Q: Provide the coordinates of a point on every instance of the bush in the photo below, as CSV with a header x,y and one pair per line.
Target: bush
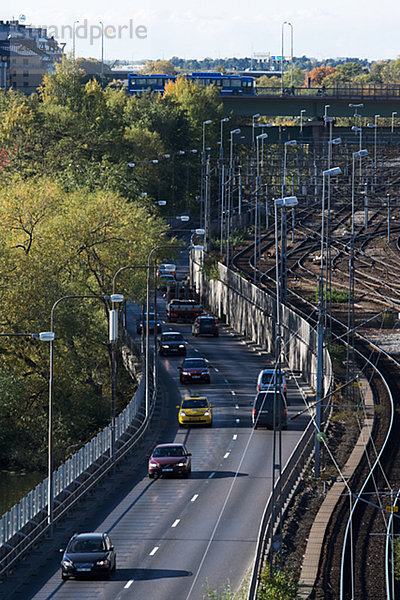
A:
x,y
277,586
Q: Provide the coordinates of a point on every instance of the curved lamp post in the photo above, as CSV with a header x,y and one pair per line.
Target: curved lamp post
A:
x,y
50,336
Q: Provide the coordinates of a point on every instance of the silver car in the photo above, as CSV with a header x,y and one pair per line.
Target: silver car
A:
x,y
266,381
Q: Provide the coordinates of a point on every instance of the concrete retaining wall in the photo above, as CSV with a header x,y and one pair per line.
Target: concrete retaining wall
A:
x,y
251,312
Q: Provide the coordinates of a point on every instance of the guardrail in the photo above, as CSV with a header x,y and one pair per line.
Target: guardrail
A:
x,y
365,92
26,522
289,479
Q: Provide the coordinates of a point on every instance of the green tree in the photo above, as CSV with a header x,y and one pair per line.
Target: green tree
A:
x,y
159,67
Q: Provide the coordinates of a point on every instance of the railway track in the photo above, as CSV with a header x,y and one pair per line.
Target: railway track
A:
x,y
356,562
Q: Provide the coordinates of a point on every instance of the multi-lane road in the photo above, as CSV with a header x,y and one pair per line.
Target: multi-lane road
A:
x,y
172,536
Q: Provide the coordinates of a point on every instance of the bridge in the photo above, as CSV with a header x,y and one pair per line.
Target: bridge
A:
x,y
289,102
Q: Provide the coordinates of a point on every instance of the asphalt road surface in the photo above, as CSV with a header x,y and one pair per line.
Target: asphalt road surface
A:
x,y
173,536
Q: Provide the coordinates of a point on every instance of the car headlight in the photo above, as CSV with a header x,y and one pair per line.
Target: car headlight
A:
x,y
181,345
204,372
185,373
182,463
165,345
67,563
103,563
207,413
182,413
154,464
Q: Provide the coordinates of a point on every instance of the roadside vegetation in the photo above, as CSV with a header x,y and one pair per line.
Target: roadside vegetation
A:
x,y
73,212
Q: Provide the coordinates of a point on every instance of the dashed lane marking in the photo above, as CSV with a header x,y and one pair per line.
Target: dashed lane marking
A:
x,y
152,553
175,523
128,585
194,498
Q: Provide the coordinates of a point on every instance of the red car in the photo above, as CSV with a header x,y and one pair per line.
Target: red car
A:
x,y
170,459
194,370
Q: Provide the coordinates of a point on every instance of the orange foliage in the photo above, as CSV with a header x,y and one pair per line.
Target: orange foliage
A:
x,y
318,74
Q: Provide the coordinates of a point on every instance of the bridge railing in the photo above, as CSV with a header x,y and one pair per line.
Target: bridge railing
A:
x,y
26,522
345,92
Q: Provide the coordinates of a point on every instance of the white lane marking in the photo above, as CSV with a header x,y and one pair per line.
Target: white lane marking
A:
x,y
227,454
196,350
226,381
175,523
237,420
216,370
128,585
152,553
194,498
235,436
211,475
233,393
237,406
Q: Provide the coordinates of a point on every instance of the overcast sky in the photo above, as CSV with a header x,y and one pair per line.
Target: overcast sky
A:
x,y
220,28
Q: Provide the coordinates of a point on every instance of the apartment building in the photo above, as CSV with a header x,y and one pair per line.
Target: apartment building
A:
x,y
26,54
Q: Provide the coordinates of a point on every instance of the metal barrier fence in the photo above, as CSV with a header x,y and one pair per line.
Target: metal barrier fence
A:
x,y
346,92
27,520
289,479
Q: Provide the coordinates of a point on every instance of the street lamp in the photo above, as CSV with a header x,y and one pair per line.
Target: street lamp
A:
x,y
256,116
350,313
321,305
283,204
291,53
257,226
230,193
73,39
393,115
302,111
360,105
102,53
289,143
221,151
50,336
203,162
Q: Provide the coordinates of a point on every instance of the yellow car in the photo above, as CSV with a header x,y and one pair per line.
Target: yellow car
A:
x,y
195,410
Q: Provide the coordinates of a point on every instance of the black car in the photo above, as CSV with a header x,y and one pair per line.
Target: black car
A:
x,y
263,410
205,325
171,342
153,322
88,554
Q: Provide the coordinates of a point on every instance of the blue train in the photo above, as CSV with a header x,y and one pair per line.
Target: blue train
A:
x,y
228,85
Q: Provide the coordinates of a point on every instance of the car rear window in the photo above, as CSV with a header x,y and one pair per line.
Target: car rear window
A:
x,y
173,337
267,378
265,401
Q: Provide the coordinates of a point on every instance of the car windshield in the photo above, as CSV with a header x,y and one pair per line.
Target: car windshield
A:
x,y
194,364
195,403
87,545
207,320
173,337
169,451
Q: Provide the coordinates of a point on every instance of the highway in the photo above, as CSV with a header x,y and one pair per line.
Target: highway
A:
x,y
173,535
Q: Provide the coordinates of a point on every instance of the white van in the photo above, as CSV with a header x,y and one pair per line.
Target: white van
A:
x,y
266,381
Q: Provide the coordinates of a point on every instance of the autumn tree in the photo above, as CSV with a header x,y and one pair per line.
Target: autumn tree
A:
x,y
317,75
